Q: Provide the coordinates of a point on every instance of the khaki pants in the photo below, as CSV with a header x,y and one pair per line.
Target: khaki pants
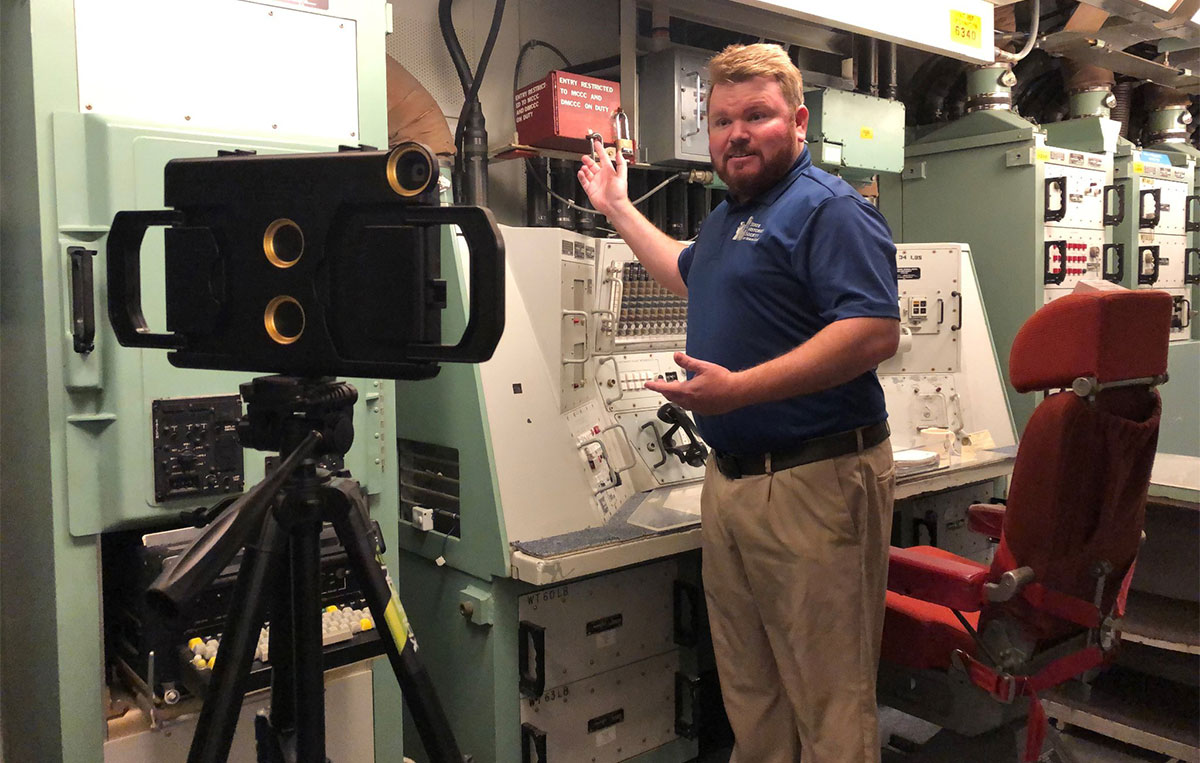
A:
x,y
795,569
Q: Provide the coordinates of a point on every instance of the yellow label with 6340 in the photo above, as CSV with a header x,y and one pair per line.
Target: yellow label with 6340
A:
x,y
966,29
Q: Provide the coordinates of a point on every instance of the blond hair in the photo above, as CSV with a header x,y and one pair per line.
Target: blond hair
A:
x,y
738,63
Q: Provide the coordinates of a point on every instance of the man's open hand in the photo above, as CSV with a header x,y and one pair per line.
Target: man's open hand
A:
x,y
605,184
712,389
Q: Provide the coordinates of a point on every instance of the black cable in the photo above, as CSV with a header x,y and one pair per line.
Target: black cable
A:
x,y
481,67
441,557
528,46
446,21
470,83
573,205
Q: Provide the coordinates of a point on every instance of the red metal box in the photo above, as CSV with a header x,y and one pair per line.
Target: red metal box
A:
x,y
561,109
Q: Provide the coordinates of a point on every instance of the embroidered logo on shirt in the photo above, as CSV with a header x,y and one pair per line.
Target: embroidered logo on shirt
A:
x,y
748,230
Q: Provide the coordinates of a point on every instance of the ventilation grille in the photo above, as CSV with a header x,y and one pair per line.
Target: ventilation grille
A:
x,y
429,478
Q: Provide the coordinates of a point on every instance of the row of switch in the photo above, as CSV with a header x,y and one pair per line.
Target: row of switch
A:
x,y
668,331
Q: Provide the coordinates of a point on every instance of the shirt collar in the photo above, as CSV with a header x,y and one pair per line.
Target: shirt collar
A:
x,y
803,162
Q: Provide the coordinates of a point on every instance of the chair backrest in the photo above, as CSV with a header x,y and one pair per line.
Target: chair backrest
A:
x,y
1077,497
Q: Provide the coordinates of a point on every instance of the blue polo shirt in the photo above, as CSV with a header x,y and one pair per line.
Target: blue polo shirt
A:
x,y
763,277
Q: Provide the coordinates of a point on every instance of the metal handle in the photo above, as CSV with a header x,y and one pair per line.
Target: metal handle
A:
x,y
1191,221
1151,278
1190,274
1149,221
658,440
687,706
616,378
582,314
687,135
600,326
1186,313
615,473
1050,278
1118,275
1054,215
531,644
1116,218
83,304
533,744
958,295
687,614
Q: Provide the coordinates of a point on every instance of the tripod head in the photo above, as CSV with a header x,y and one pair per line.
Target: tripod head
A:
x,y
283,410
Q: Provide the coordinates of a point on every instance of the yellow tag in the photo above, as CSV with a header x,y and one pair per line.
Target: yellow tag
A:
x,y
866,133
1138,168
1042,154
966,29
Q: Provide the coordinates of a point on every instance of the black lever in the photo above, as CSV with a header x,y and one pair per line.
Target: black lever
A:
x,y
693,453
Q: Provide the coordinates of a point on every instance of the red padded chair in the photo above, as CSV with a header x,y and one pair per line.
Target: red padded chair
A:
x,y
1048,609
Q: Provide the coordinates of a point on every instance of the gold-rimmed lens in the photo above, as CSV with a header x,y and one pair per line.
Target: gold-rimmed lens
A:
x,y
410,169
283,243
284,319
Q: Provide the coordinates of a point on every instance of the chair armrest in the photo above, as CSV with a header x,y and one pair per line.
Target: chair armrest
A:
x,y
986,518
946,580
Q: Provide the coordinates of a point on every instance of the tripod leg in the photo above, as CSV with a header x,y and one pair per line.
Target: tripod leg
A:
x,y
223,702
279,647
349,517
308,656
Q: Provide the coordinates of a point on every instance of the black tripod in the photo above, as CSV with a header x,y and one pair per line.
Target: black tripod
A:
x,y
278,522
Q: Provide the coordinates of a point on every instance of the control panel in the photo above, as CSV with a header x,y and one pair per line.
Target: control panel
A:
x,y
647,325
1161,257
1070,255
196,448
1078,201
646,312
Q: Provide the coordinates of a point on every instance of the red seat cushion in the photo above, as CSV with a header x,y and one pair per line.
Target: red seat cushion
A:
x,y
920,635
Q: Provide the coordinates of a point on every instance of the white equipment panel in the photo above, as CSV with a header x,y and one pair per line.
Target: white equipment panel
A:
x,y
960,400
607,718
593,626
222,65
565,392
930,292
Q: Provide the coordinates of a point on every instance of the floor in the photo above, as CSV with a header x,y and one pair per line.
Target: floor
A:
x,y
1082,745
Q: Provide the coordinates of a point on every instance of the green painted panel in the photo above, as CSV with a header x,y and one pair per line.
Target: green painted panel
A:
x,y
1179,431
977,196
450,410
474,667
80,462
869,131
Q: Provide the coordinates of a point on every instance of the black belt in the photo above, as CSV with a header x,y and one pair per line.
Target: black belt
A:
x,y
817,449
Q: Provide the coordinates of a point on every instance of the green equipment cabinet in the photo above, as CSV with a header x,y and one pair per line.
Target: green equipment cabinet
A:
x,y
97,98
1181,427
1037,216
1155,240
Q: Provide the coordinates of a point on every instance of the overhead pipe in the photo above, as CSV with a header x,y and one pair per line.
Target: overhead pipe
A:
x,y
887,67
866,65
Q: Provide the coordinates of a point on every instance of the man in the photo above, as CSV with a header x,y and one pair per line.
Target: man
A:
x,y
791,305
